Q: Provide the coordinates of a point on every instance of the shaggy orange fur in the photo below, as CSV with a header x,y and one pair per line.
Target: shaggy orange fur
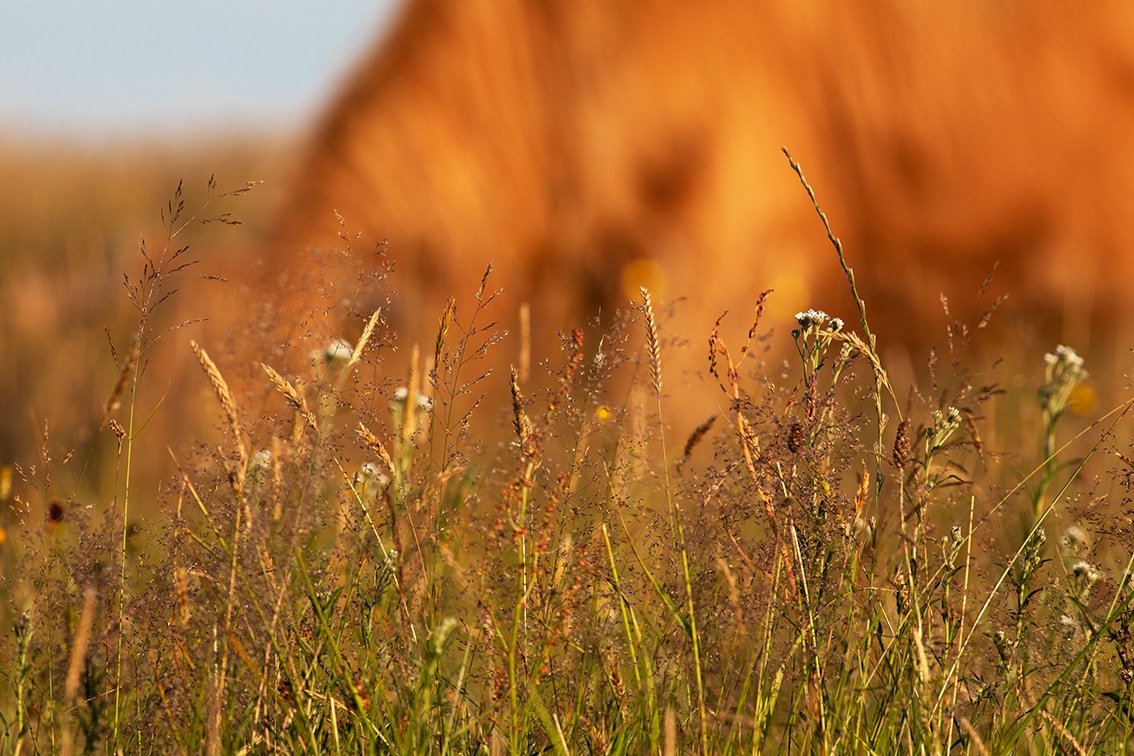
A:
x,y
580,145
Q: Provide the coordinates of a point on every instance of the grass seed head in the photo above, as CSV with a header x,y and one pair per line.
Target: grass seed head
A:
x,y
522,424
902,446
653,341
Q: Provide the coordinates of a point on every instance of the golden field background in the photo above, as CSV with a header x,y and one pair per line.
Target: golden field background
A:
x,y
411,547
72,219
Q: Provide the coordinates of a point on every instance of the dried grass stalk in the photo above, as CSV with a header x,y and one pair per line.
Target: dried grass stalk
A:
x,y
520,420
652,339
443,329
224,396
367,332
375,444
293,398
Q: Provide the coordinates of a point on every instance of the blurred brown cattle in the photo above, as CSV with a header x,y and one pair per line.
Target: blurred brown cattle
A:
x,y
568,141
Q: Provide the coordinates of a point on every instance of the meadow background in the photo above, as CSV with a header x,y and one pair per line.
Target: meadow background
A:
x,y
355,560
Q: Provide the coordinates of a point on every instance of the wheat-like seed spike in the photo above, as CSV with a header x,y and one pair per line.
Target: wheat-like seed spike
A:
x,y
356,355
654,342
871,354
224,396
376,446
443,330
294,399
520,420
978,443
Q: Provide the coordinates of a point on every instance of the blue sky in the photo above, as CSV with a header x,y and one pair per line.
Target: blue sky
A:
x,y
113,68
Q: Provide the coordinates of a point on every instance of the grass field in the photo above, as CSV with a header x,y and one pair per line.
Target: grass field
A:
x,y
398,562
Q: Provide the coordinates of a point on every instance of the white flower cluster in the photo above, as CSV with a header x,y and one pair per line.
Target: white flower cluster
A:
x,y
369,481
944,423
813,338
1063,356
1084,575
1076,539
261,460
339,349
1063,373
423,402
816,319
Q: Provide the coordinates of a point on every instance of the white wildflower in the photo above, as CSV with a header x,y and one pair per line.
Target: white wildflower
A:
x,y
339,349
813,319
261,460
1085,574
1076,539
421,402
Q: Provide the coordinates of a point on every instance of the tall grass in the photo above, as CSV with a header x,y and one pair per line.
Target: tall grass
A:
x,y
375,567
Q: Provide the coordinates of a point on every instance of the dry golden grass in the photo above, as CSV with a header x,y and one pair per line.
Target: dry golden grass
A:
x,y
338,556
72,218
